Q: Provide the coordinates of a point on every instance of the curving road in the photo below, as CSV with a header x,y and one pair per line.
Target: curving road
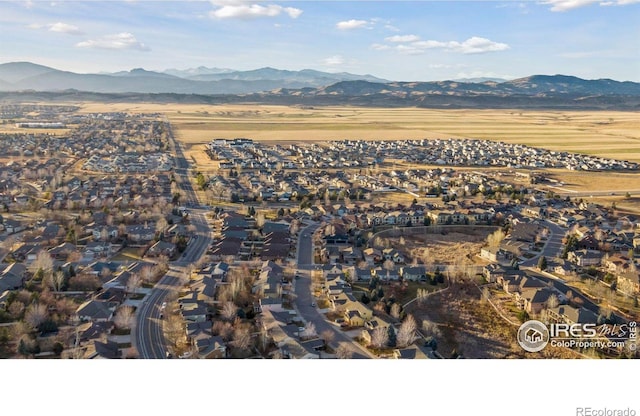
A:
x,y
304,297
553,246
147,334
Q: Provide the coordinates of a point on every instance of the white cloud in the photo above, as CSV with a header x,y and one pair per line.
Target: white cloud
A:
x,y
380,47
334,60
402,38
234,9
65,28
58,27
473,45
352,24
122,40
478,45
565,5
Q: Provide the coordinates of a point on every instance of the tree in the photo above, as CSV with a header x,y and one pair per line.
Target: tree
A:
x,y
42,264
327,336
174,329
344,352
229,310
124,317
134,282
36,314
309,331
552,301
542,263
396,311
241,337
430,329
379,337
391,336
407,332
494,239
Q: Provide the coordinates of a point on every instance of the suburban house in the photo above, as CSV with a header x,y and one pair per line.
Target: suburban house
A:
x,y
94,310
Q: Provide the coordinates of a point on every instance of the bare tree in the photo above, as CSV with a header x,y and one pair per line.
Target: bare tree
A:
x,y
16,309
379,337
344,351
407,332
486,294
327,336
241,337
388,265
553,301
260,220
36,314
124,317
55,281
395,311
229,311
224,329
430,329
494,239
309,331
42,262
294,227
134,282
174,329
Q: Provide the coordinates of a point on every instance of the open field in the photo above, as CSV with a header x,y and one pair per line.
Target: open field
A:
x,y
471,327
437,248
604,133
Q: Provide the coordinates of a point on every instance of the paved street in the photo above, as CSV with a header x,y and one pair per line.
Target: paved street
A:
x,y
147,335
553,246
305,299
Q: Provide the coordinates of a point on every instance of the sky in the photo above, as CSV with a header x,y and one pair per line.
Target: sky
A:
x,y
394,40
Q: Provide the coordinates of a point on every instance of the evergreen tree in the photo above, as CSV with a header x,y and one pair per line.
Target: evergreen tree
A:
x,y
392,337
542,263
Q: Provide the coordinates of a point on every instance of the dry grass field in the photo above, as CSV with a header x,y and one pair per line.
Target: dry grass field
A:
x,y
604,133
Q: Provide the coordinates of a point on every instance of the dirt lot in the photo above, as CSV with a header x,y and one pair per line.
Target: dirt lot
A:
x,y
471,327
438,248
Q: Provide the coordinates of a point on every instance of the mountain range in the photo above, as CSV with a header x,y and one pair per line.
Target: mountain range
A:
x,y
20,76
311,87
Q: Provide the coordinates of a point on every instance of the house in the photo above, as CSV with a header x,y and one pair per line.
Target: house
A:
x,y
413,273
534,300
414,352
12,277
494,254
629,282
492,272
393,255
570,315
211,347
162,248
96,311
104,350
585,258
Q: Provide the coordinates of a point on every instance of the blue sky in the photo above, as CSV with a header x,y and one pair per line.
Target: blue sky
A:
x,y
396,40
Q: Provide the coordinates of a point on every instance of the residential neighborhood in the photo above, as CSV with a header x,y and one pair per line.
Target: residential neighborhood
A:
x,y
306,251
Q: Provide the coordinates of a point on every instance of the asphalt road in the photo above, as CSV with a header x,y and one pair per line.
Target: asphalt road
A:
x,y
305,298
553,246
147,334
